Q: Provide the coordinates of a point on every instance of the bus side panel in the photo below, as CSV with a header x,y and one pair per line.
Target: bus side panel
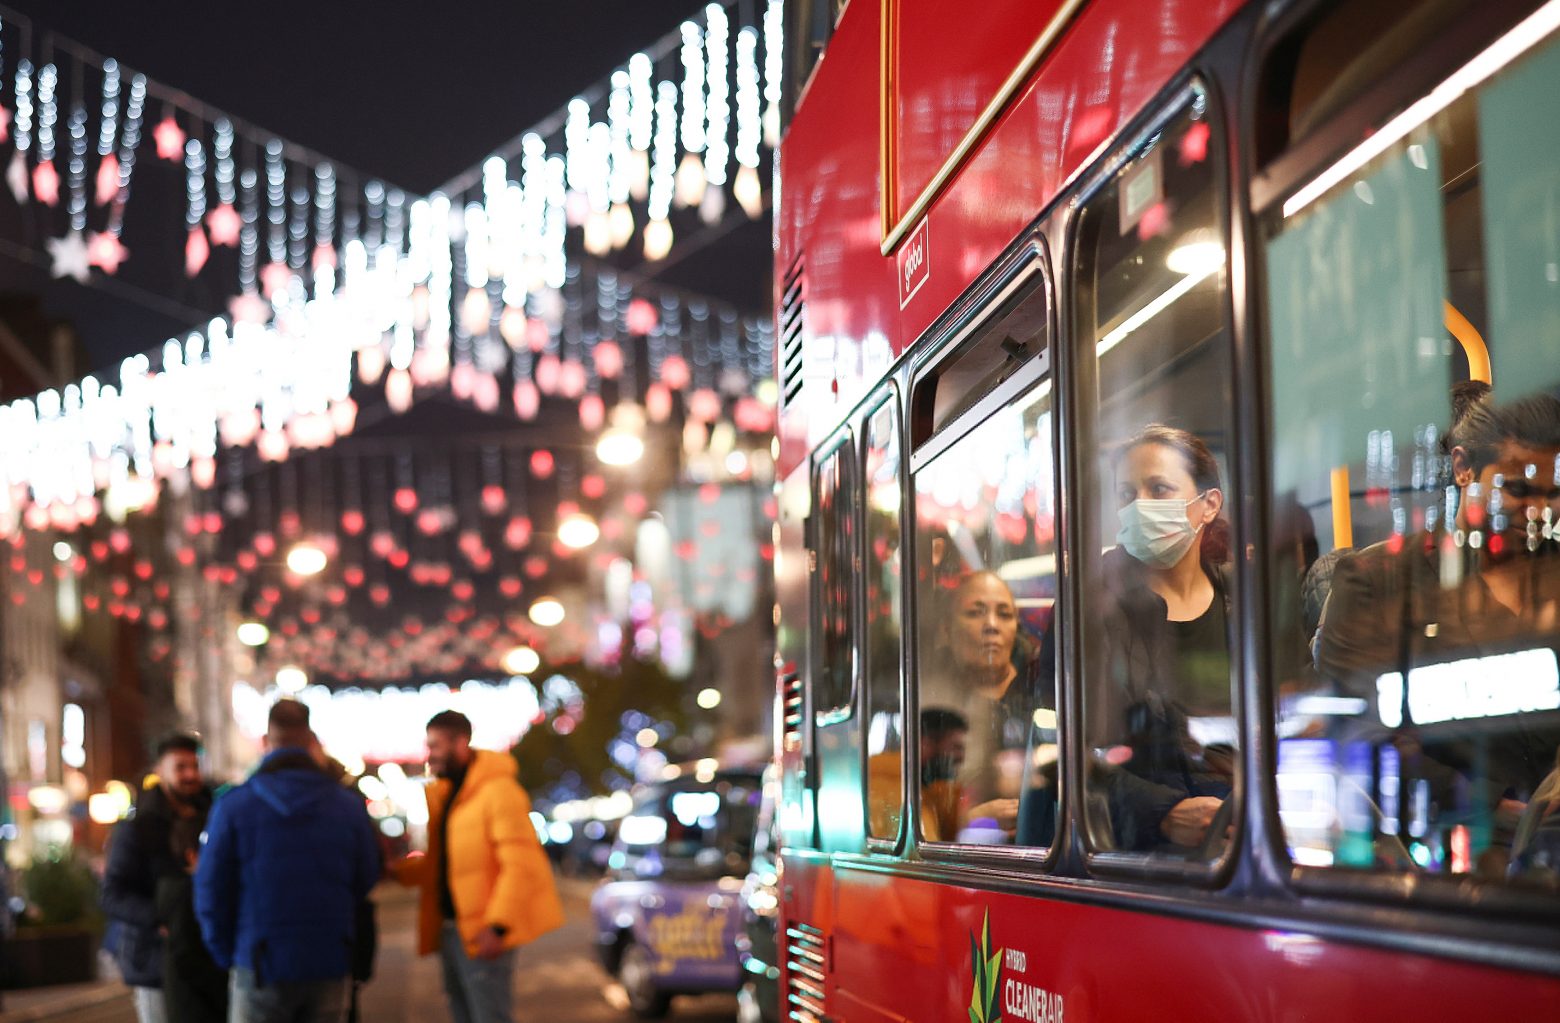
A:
x,y
947,65
791,603
827,222
1112,60
807,928
907,948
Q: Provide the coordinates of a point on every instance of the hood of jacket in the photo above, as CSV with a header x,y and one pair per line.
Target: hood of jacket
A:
x,y
291,783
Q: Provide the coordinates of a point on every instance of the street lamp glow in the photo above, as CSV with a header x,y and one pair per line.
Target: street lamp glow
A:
x,y
253,633
709,699
522,660
578,531
306,559
547,612
620,448
291,679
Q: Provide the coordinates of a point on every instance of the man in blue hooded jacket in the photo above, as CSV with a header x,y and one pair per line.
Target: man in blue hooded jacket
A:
x,y
289,856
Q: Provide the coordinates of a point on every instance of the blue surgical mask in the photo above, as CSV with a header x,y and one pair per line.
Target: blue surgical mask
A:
x,y
1156,532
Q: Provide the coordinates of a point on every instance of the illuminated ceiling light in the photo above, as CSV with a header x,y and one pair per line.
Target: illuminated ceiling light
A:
x,y
620,223
691,181
598,233
578,531
522,660
749,192
291,679
253,634
1198,254
306,559
658,240
1157,305
546,612
1527,33
619,447
647,738
709,699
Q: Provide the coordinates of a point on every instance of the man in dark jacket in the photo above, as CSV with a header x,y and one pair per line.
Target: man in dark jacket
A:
x,y
141,857
289,856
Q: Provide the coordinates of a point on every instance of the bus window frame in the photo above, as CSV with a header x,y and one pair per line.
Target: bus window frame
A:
x,y
1021,275
824,717
1395,89
886,396
1167,107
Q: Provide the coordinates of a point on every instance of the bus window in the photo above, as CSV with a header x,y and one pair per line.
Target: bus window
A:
x,y
1413,319
986,594
834,509
1160,733
885,724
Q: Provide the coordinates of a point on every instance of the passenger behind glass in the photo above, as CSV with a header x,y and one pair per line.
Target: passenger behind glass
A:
x,y
1487,585
944,738
1535,852
1394,604
1166,614
985,671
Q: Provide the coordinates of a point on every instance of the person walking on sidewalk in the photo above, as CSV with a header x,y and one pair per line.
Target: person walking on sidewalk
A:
x,y
289,856
141,858
487,887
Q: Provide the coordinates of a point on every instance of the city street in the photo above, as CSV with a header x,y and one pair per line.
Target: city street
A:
x,y
558,978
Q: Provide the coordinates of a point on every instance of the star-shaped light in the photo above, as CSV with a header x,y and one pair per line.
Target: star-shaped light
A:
x,y
224,223
170,139
105,251
196,251
69,255
274,278
16,177
107,180
46,183
250,308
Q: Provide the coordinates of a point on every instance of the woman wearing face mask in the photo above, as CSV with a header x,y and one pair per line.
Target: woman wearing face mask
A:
x,y
1166,619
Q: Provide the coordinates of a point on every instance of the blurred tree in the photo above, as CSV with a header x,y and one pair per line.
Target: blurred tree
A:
x,y
568,755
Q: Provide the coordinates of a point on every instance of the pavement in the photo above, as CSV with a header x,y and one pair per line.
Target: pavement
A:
x,y
557,979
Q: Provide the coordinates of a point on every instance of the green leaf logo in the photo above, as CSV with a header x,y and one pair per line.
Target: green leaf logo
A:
x,y
986,970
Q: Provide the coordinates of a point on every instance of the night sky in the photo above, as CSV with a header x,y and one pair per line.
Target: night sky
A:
x,y
413,94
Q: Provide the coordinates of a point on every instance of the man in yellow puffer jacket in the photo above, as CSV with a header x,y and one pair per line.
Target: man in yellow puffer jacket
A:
x,y
487,887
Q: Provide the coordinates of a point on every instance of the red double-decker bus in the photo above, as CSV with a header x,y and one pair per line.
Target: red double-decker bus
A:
x,y
1169,545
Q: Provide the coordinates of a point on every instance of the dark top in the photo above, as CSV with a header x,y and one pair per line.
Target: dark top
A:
x,y
1156,672
1202,660
142,854
446,897
290,856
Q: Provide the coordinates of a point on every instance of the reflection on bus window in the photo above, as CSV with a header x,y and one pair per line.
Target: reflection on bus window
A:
x,y
885,727
986,578
1413,318
836,526
1157,684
